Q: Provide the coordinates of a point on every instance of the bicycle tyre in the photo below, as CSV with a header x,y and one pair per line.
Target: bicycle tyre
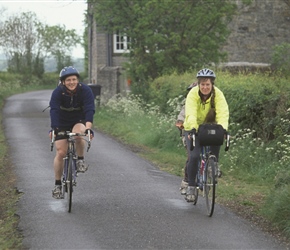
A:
x,y
210,185
69,181
64,178
196,192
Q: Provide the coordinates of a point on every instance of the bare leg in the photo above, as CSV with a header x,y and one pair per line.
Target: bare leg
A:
x,y
80,144
80,148
61,148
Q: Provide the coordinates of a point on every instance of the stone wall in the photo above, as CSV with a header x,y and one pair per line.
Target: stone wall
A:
x,y
113,81
256,29
119,60
108,78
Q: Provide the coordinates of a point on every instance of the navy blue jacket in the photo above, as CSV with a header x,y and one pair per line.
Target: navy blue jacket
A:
x,y
67,109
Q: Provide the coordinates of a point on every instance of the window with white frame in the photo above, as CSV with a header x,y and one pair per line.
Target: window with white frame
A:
x,y
121,43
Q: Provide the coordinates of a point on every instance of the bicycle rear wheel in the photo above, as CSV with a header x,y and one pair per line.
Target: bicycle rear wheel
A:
x,y
210,185
69,181
196,191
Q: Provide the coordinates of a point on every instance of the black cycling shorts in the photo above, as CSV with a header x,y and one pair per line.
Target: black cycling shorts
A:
x,y
61,136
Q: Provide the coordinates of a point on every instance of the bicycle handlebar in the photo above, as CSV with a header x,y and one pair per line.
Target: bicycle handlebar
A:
x,y
192,140
52,140
71,134
227,139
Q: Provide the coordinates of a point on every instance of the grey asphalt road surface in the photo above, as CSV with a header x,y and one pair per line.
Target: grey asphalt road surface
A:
x,y
121,202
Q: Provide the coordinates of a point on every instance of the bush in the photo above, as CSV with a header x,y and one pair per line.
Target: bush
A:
x,y
256,101
169,87
276,208
281,58
142,119
50,79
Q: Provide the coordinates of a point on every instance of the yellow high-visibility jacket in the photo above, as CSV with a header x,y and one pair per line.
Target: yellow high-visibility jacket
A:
x,y
196,110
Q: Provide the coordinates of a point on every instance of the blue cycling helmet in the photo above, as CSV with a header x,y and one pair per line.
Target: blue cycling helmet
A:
x,y
206,73
68,71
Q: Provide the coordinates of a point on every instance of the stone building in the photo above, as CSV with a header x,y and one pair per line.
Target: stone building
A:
x,y
254,31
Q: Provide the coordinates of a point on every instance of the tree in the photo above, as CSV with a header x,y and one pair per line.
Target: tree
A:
x,y
27,42
58,42
168,35
19,39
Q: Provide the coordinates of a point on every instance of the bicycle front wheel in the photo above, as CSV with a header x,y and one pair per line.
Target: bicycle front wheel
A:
x,y
196,190
69,182
210,185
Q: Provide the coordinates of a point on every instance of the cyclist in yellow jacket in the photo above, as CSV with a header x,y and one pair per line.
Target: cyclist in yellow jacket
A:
x,y
204,104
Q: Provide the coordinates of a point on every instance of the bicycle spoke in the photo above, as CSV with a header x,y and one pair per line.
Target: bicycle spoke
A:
x,y
196,192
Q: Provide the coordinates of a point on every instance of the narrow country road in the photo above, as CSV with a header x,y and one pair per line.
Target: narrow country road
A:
x,y
121,202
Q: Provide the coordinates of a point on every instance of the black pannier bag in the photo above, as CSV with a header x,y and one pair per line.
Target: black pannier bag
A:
x,y
211,135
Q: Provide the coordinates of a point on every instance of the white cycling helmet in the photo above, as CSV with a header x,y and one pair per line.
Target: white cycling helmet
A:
x,y
206,73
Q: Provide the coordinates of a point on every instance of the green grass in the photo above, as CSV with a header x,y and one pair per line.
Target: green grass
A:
x,y
9,237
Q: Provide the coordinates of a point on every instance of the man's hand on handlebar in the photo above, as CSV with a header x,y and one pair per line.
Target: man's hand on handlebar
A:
x,y
90,132
52,133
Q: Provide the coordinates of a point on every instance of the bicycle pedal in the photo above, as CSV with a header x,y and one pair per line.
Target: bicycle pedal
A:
x,y
60,196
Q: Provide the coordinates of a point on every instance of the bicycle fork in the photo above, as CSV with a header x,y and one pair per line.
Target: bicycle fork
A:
x,y
201,176
65,171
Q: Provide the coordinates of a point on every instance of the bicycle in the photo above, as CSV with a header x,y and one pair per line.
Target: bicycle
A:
x,y
208,169
69,170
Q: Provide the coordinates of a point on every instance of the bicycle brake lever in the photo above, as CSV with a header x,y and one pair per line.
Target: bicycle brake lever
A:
x,y
227,142
52,140
192,142
89,142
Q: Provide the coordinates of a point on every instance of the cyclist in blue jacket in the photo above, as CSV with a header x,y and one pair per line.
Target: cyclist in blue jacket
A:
x,y
72,108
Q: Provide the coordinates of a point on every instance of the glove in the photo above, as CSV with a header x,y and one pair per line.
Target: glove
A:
x,y
51,135
192,132
91,132
179,124
56,130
